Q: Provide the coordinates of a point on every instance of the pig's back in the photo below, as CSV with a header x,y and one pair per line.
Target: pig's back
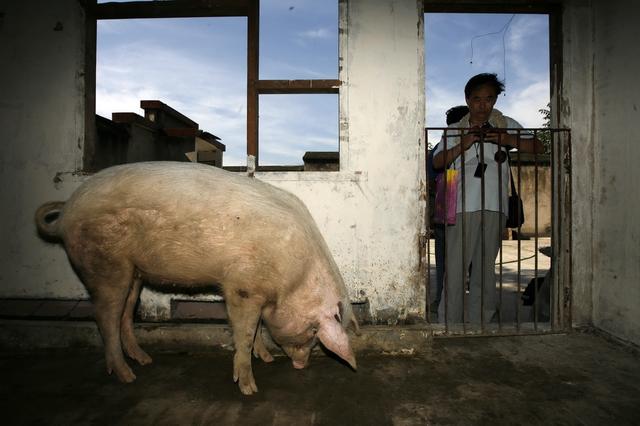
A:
x,y
191,223
182,187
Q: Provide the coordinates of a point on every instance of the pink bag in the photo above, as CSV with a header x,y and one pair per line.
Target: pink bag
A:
x,y
446,206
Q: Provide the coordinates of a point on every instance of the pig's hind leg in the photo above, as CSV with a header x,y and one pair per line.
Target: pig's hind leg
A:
x,y
244,315
109,289
127,337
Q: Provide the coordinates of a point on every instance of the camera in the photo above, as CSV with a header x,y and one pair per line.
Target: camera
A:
x,y
500,156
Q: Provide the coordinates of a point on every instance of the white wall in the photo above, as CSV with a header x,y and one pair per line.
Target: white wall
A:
x,y
577,99
370,212
616,248
41,135
600,96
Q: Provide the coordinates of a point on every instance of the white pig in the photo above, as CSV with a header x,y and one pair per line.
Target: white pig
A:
x,y
192,224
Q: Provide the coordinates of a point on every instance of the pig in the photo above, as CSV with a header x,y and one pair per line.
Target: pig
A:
x,y
189,224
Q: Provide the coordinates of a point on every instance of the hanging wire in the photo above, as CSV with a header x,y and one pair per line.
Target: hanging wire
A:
x,y
502,31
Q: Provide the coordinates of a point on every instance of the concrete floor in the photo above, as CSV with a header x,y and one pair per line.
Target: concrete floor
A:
x,y
570,379
515,276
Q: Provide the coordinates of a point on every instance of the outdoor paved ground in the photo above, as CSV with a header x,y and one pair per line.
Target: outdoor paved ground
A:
x,y
570,379
530,266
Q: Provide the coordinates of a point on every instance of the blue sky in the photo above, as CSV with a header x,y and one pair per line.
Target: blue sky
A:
x,y
198,66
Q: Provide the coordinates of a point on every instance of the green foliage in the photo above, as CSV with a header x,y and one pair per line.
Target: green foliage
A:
x,y
545,136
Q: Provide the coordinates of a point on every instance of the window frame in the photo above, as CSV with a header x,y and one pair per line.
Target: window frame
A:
x,y
193,9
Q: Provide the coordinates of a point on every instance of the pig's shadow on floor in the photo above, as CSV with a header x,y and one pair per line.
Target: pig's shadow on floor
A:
x,y
331,355
211,289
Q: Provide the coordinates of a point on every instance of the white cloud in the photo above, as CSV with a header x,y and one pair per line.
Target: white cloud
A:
x,y
314,37
322,33
523,28
439,100
283,68
523,105
292,125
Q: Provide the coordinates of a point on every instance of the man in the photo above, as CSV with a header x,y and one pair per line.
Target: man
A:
x,y
483,145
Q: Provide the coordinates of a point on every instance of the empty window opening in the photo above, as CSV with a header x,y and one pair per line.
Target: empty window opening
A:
x,y
298,87
298,39
299,130
206,67
194,69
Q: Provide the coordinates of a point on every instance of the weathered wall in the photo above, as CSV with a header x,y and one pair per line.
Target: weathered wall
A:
x,y
577,114
600,93
370,211
616,248
41,137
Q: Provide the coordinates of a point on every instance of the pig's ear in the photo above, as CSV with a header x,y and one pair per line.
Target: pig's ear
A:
x,y
334,338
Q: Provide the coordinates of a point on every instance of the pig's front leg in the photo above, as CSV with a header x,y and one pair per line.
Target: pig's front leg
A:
x,y
244,315
259,349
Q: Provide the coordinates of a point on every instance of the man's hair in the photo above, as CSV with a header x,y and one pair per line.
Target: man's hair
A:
x,y
481,80
456,113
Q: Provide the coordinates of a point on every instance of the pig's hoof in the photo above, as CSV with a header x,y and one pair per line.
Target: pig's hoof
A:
x,y
124,374
248,388
144,359
139,355
245,381
263,354
266,357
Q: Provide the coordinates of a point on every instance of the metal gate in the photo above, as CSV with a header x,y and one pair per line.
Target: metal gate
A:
x,y
531,292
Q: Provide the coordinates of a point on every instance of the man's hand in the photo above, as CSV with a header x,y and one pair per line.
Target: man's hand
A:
x,y
524,143
447,156
470,137
500,138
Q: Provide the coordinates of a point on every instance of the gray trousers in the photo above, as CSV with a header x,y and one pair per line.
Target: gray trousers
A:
x,y
456,267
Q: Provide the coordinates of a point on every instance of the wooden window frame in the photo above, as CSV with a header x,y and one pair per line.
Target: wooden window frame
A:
x,y
194,9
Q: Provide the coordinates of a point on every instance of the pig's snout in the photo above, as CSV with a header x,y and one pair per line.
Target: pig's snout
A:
x,y
299,365
299,355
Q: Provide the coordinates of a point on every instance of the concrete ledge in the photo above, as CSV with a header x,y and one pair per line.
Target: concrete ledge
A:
x,y
396,340
24,335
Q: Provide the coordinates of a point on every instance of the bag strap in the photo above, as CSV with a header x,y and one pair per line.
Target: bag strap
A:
x,y
513,186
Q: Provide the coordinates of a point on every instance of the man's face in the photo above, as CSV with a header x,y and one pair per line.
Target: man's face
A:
x,y
481,102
